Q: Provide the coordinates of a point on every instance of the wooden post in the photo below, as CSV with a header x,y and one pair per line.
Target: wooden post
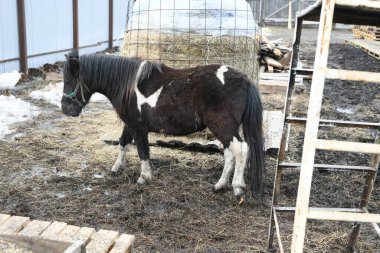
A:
x,y
311,131
110,24
75,25
281,152
22,36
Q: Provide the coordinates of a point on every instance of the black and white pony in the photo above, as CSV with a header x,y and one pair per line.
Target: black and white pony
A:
x,y
152,97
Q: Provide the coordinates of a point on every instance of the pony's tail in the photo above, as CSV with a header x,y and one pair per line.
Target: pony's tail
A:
x,y
253,135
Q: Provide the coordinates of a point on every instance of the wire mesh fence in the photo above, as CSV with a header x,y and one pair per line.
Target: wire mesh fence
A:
x,y
187,33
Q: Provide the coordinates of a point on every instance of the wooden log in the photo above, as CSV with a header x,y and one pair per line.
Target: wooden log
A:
x,y
272,62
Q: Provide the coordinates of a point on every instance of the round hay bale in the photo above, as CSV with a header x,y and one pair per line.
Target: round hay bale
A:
x,y
190,33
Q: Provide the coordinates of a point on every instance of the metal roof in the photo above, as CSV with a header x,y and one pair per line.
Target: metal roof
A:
x,y
363,12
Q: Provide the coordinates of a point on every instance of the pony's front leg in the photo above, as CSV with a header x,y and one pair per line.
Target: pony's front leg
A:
x,y
124,144
142,144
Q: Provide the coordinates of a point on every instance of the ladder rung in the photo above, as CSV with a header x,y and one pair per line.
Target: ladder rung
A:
x,y
325,214
346,146
340,123
292,209
300,71
329,167
352,75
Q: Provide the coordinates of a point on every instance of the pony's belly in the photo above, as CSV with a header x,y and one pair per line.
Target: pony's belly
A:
x,y
175,124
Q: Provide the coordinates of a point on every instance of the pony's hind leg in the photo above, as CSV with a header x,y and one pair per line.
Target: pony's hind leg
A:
x,y
124,143
240,150
229,159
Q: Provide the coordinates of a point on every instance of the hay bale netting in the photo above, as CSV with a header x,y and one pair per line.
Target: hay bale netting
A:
x,y
196,32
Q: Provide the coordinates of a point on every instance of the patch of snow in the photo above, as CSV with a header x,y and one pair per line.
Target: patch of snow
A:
x,y
9,80
60,195
212,17
97,97
88,189
52,93
345,110
98,176
14,110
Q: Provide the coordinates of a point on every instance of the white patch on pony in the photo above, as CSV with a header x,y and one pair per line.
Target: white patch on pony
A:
x,y
146,172
120,162
228,166
151,100
141,99
240,151
220,73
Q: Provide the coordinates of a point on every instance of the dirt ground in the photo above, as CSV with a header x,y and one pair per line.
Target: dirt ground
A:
x,y
58,170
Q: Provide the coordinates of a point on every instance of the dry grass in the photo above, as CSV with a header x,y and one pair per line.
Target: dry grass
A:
x,y
189,50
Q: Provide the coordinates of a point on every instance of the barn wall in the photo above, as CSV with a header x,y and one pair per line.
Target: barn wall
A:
x,y
49,29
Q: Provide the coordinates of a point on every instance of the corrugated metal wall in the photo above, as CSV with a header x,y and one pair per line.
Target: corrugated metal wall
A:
x,y
49,28
272,8
8,36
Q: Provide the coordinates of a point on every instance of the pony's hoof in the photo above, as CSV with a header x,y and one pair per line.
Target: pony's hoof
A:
x,y
241,199
114,173
142,181
239,193
218,187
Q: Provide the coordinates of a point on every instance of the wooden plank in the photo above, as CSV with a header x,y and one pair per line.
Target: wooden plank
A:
x,y
68,233
352,75
369,46
346,146
13,224
123,244
84,234
311,130
53,230
34,228
4,217
272,87
329,167
320,214
101,241
278,231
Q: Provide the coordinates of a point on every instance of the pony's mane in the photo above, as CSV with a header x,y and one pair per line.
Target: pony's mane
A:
x,y
115,75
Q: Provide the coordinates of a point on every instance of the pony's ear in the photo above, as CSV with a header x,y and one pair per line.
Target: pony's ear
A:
x,y
72,56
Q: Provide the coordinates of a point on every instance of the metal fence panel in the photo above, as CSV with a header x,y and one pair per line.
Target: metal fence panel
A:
x,y
8,36
93,25
49,26
119,20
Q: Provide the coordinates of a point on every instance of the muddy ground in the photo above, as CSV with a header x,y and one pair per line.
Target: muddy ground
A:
x,y
58,170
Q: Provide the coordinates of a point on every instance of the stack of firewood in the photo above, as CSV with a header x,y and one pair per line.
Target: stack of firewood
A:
x,y
274,57
366,32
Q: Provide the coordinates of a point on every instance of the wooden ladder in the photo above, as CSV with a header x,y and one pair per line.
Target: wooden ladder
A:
x,y
311,143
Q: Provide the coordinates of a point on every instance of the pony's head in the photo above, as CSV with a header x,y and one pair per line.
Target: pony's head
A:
x,y
75,94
